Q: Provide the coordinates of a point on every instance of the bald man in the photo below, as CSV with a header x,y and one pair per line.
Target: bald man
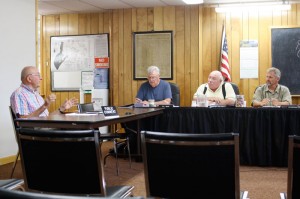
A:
x,y
213,90
26,101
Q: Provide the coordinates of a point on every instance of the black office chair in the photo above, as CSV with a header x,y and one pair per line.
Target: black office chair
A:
x,y
117,138
293,182
65,162
179,165
255,91
15,126
235,88
8,194
175,94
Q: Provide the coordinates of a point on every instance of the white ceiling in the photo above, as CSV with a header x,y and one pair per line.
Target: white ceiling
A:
x,y
47,7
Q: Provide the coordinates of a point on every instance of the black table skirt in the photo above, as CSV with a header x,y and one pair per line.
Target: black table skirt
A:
x,y
263,131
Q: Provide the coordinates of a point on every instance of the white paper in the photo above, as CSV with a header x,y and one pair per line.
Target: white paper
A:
x,y
61,79
81,114
249,59
87,80
110,117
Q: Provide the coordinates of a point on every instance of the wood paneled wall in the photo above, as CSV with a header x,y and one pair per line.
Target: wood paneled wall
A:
x,y
197,40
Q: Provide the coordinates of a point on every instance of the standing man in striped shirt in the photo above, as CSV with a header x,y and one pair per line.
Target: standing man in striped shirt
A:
x,y
26,101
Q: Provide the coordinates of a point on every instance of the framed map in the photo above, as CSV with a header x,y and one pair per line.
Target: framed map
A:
x,y
70,55
153,48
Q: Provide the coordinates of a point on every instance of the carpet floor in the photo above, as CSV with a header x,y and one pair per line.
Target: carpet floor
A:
x,y
260,182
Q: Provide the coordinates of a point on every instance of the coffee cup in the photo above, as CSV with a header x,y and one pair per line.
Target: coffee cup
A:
x,y
194,103
151,103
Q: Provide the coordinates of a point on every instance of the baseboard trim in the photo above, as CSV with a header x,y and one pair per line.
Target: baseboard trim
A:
x,y
7,160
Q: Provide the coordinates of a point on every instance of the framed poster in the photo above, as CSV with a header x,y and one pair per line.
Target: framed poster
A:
x,y
153,48
70,55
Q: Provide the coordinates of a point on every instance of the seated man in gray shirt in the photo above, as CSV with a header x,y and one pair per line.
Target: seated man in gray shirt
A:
x,y
272,93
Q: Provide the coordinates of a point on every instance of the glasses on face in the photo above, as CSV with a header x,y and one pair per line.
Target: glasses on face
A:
x,y
35,74
153,77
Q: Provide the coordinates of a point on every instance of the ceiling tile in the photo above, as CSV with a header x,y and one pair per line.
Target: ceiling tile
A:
x,y
74,5
174,2
46,7
107,4
144,3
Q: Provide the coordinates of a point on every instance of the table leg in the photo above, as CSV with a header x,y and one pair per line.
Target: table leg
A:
x,y
138,158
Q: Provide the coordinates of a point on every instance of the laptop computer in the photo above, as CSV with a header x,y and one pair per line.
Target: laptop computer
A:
x,y
88,108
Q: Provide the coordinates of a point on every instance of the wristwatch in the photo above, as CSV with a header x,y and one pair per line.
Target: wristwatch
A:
x,y
62,112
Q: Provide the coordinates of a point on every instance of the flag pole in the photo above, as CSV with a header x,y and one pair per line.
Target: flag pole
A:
x,y
222,43
224,62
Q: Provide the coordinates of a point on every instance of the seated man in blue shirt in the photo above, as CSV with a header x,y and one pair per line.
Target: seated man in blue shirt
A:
x,y
154,88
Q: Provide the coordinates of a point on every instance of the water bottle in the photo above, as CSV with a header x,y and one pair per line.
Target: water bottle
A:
x,y
202,100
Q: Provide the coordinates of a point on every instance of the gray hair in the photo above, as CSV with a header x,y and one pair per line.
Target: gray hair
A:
x,y
152,69
275,70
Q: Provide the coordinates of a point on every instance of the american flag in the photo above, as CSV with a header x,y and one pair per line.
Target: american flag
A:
x,y
224,65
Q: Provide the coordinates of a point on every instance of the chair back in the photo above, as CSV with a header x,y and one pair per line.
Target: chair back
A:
x,y
179,165
8,194
235,88
293,184
175,94
82,108
61,161
12,184
13,120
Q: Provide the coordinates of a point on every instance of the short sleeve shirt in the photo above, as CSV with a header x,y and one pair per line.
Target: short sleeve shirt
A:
x,y
282,93
24,101
230,94
161,92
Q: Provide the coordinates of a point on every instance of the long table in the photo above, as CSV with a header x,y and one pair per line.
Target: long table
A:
x,y
263,131
93,121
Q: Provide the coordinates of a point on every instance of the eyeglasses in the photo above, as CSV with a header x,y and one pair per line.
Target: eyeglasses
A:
x,y
152,77
35,74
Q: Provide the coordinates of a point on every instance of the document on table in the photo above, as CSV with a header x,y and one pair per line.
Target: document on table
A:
x,y
81,114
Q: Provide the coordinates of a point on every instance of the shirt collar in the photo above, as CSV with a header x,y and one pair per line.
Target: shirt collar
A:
x,y
28,88
275,91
